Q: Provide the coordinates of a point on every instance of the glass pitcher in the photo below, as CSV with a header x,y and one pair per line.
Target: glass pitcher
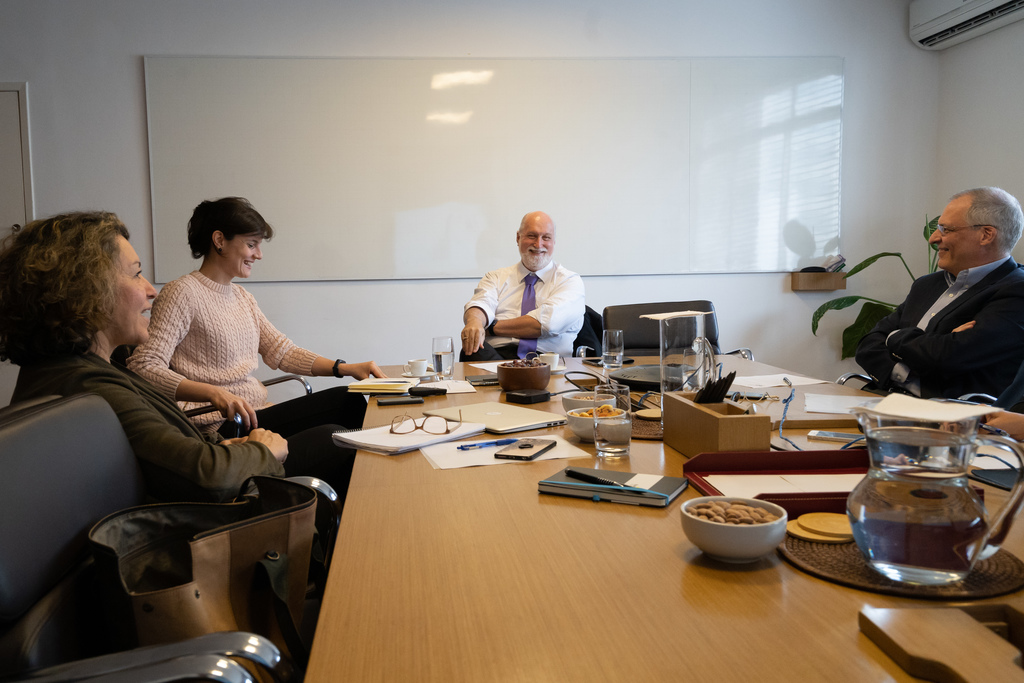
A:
x,y
687,359
915,517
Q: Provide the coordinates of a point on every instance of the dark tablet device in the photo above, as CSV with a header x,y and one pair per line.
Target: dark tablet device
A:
x,y
398,400
1002,478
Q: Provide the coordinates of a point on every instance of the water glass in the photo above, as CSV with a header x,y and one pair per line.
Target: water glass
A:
x,y
612,345
613,423
443,354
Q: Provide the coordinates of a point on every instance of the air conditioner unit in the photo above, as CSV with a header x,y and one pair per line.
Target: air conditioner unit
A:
x,y
938,24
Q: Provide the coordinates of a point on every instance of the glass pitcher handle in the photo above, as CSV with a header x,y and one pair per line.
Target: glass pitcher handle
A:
x,y
999,525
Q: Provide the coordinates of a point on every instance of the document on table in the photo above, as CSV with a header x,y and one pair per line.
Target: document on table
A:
x,y
453,386
832,403
447,456
750,485
764,381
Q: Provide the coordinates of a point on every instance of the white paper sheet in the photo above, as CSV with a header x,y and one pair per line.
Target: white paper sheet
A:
x,y
447,456
764,381
899,405
750,485
454,386
829,403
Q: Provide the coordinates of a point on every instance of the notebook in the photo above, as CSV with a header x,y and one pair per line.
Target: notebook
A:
x,y
647,489
501,418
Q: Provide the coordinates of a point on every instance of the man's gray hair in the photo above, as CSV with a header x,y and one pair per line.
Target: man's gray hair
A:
x,y
998,208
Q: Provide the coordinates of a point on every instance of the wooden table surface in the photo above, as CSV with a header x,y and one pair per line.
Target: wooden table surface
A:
x,y
472,575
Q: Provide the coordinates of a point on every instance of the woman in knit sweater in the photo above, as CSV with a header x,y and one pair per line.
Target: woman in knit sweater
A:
x,y
206,335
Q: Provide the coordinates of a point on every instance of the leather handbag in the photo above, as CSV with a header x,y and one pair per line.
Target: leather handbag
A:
x,y
173,571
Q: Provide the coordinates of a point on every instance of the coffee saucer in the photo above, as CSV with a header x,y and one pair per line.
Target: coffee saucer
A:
x,y
430,373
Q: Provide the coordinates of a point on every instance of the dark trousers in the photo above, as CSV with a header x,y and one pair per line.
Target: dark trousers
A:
x,y
488,352
307,422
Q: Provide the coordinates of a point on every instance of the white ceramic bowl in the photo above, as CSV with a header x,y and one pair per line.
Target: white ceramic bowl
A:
x,y
582,427
734,542
574,400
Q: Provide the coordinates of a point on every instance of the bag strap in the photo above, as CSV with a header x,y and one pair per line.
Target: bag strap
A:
x,y
275,572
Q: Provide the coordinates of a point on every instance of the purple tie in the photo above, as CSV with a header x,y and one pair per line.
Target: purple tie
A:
x,y
529,303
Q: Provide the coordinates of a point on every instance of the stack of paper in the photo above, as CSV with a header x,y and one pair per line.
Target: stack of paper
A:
x,y
377,385
381,440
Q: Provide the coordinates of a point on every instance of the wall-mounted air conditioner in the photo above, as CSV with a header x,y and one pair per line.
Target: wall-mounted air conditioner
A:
x,y
938,24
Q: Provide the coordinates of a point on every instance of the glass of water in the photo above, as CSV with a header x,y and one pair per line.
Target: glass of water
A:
x,y
613,423
612,349
443,354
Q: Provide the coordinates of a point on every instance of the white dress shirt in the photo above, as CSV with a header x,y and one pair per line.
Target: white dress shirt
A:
x,y
560,304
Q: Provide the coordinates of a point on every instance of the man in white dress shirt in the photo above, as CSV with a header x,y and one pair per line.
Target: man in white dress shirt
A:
x,y
535,305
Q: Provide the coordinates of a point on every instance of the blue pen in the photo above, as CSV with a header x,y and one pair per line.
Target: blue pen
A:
x,y
485,444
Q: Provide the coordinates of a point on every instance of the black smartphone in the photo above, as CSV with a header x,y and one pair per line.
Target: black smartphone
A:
x,y
525,449
398,400
597,362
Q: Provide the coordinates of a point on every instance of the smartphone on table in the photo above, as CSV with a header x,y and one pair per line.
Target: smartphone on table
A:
x,y
525,449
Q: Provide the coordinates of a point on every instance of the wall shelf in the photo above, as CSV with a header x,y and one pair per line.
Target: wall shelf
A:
x,y
817,282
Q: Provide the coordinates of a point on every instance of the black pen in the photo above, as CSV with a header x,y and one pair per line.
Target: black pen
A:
x,y
593,478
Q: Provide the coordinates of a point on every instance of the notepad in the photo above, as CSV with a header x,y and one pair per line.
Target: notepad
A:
x,y
381,440
382,385
652,490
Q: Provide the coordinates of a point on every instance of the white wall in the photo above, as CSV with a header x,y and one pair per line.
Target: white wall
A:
x,y
83,63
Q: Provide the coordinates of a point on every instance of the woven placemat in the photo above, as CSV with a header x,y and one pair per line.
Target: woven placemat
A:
x,y
843,563
647,429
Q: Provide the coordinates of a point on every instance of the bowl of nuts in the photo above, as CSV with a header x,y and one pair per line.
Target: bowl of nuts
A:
x,y
523,374
581,420
581,399
733,529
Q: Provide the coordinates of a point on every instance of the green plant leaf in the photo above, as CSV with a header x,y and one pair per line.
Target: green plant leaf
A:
x,y
832,305
871,259
870,313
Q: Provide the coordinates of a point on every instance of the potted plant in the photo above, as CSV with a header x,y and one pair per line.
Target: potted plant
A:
x,y
872,310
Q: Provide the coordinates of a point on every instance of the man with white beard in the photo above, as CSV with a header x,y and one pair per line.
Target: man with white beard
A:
x,y
535,305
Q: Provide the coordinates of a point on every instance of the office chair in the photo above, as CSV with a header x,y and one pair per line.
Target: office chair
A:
x,y
123,353
588,341
641,336
67,464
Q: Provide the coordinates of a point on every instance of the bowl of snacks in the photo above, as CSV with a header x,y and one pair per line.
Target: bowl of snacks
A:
x,y
581,420
734,529
523,374
580,399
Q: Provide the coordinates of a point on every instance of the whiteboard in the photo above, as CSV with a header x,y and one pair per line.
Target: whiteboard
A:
x,y
422,168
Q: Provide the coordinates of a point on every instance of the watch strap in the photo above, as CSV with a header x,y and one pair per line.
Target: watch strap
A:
x,y
335,370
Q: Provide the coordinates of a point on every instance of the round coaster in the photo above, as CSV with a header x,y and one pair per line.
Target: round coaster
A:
x,y
843,564
827,524
649,414
793,527
647,429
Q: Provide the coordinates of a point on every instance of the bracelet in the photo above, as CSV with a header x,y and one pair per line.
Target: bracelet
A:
x,y
335,368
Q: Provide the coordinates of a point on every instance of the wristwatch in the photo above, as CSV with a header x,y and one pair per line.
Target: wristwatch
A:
x,y
490,328
335,368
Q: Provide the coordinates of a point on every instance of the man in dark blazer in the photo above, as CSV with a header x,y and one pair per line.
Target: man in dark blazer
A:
x,y
961,329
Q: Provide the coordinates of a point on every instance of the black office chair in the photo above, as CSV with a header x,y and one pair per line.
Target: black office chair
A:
x,y
641,336
122,353
67,463
588,341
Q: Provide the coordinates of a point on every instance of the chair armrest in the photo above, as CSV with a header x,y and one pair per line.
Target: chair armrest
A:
x,y
249,646
742,352
285,378
985,399
854,375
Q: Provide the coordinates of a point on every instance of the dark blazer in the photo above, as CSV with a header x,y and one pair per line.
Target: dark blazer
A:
x,y
984,359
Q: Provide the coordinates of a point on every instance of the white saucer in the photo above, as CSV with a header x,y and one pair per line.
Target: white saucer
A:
x,y
412,376
559,369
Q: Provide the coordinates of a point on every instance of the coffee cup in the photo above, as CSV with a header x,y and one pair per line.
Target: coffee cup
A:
x,y
416,367
549,359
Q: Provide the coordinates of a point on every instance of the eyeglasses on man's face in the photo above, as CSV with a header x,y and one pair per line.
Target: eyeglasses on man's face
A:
x,y
431,424
948,229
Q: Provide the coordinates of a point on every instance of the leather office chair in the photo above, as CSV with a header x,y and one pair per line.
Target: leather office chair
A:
x,y
641,336
123,353
67,463
589,337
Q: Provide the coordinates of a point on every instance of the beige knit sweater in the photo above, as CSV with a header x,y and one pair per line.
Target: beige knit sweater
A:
x,y
213,333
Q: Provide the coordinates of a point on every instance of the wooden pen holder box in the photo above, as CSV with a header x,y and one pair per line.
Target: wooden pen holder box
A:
x,y
693,428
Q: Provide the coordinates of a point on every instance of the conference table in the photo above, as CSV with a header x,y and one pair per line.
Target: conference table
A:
x,y
471,575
